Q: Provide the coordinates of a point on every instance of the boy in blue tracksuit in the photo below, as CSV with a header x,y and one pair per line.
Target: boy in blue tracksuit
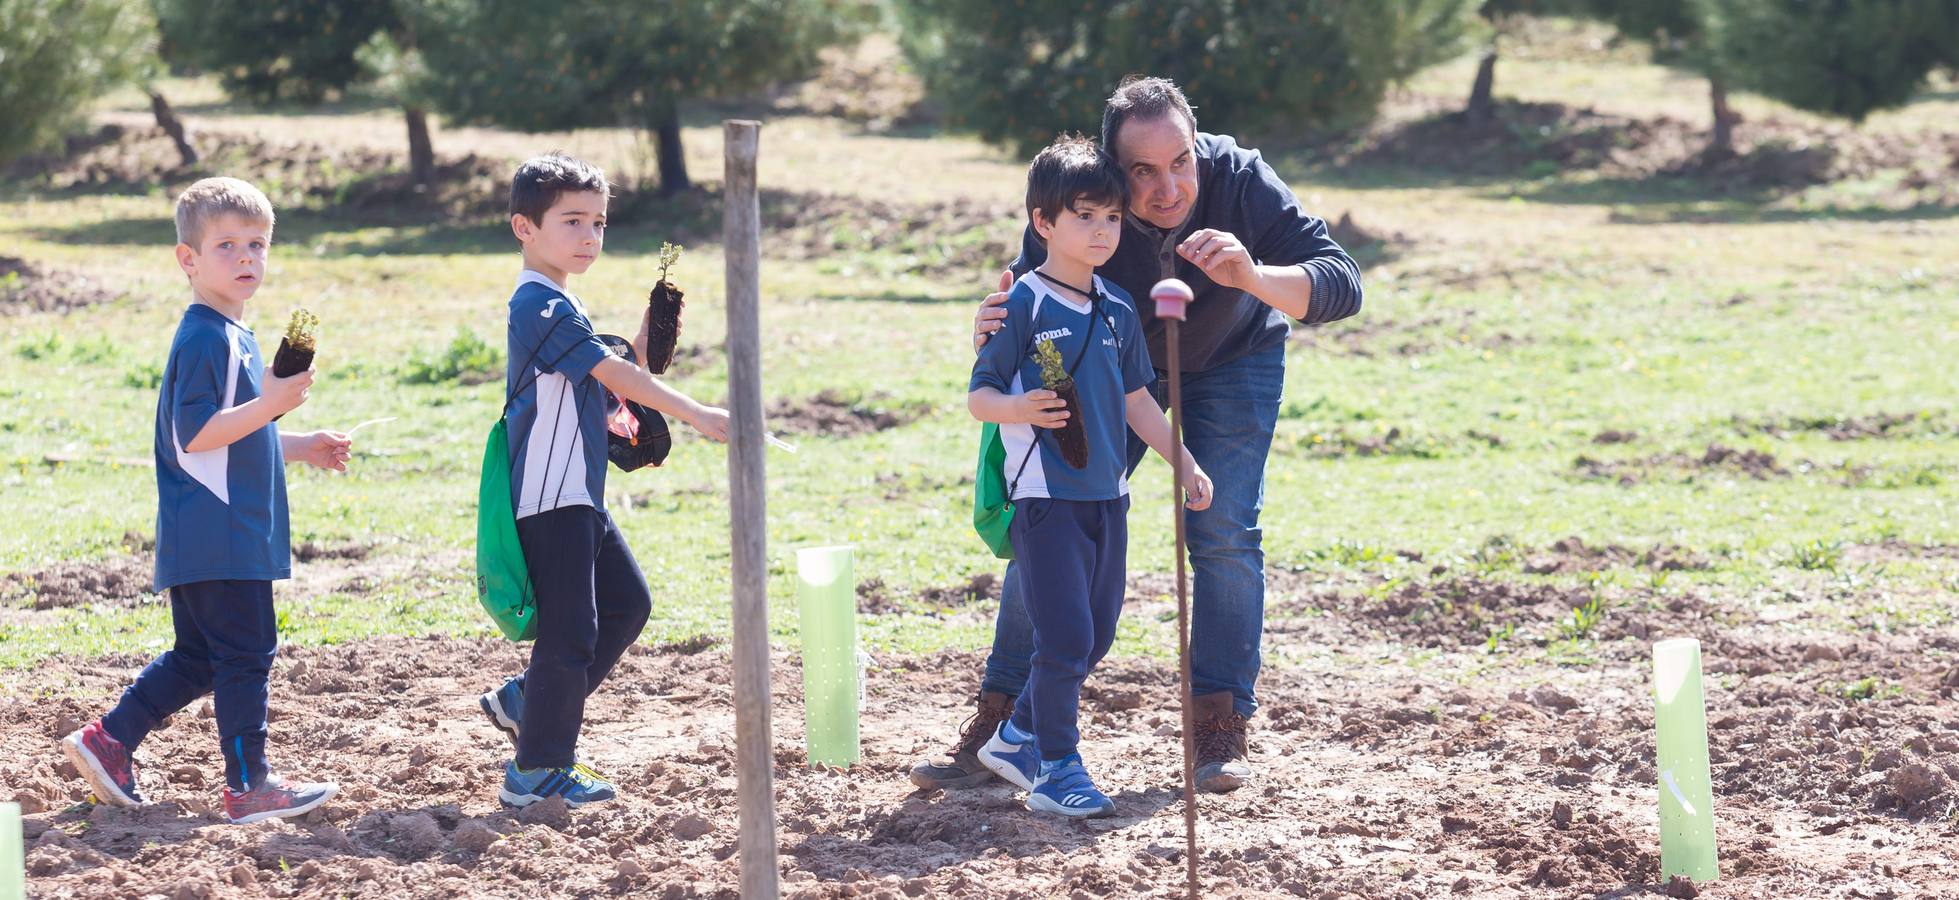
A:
x,y
221,530
592,600
1069,530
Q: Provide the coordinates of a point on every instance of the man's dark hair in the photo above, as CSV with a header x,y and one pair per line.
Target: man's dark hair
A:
x,y
1145,98
541,180
1071,171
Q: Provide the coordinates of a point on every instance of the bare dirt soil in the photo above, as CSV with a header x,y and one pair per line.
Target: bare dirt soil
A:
x,y
1835,756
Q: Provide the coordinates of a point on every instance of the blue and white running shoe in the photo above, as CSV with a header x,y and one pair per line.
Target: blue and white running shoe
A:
x,y
577,785
1010,753
1063,786
504,707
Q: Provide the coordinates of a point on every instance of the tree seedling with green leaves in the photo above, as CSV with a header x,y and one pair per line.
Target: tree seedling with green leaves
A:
x,y
1072,436
663,314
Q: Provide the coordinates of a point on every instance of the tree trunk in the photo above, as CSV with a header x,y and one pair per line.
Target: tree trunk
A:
x,y
672,156
1722,143
421,151
166,119
1482,102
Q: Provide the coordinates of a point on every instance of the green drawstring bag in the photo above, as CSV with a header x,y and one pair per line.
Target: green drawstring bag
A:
x,y
503,579
993,508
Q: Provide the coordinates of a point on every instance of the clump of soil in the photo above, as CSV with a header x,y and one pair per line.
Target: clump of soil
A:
x,y
26,287
1879,426
115,158
1772,156
832,414
663,306
314,551
874,597
1572,555
122,579
1610,436
1760,465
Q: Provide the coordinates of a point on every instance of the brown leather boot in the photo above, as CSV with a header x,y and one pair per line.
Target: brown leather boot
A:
x,y
963,770
1222,750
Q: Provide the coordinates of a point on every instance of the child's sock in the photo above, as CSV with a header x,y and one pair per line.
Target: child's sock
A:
x,y
1013,735
1048,766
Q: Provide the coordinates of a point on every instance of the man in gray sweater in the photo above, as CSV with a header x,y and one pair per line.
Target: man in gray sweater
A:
x,y
1212,213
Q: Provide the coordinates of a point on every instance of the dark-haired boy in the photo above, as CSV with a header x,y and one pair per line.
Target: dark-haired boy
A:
x,y
1069,531
592,600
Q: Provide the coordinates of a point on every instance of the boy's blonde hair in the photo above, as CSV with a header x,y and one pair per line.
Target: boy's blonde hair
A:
x,y
213,197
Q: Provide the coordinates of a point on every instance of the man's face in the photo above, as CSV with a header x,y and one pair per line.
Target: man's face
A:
x,y
1159,157
570,236
228,263
1085,233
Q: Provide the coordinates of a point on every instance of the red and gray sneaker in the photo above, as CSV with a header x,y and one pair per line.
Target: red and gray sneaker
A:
x,y
105,763
276,799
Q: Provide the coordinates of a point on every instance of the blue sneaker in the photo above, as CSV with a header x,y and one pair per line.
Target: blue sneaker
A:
x,y
1063,786
505,707
523,787
1010,753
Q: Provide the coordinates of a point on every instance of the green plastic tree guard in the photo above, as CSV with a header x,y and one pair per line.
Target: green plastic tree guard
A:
x,y
828,603
13,876
1686,788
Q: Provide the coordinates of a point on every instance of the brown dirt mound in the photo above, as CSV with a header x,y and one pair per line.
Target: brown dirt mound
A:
x,y
1878,426
26,287
1572,556
293,174
832,414
1771,155
120,580
874,597
1760,465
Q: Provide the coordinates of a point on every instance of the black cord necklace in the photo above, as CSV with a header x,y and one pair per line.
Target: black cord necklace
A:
x,y
1090,294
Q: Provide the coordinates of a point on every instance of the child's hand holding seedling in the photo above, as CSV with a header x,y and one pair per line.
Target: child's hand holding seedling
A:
x,y
283,395
327,450
1040,408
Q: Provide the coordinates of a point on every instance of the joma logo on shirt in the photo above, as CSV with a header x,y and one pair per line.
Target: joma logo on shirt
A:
x,y
1051,334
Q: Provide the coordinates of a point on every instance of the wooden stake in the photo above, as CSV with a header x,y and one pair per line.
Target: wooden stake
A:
x,y
754,744
1171,296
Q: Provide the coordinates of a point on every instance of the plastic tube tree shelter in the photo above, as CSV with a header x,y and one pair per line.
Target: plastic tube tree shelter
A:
x,y
13,873
741,234
827,603
1686,788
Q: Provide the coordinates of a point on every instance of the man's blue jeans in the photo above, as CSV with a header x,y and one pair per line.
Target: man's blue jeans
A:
x,y
1229,415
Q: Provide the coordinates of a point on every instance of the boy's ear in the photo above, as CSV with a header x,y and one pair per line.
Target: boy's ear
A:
x,y
186,259
1043,226
522,226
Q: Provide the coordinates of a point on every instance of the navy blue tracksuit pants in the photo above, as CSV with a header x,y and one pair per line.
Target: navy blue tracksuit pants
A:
x,y
592,603
1070,555
226,636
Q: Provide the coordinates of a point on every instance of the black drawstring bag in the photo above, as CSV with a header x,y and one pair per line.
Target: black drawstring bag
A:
x,y
647,439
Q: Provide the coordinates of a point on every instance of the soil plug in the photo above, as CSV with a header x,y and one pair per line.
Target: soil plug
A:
x,y
13,874
296,348
1072,436
663,314
1686,788
827,600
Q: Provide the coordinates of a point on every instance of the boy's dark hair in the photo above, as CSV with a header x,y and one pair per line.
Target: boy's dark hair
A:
x,y
1146,98
1069,171
541,180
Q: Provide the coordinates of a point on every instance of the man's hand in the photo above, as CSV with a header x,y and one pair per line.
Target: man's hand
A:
x,y
711,421
1040,408
283,395
992,312
1222,257
327,450
1197,486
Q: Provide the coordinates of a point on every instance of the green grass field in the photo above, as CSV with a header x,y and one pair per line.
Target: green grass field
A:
x,y
1508,322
